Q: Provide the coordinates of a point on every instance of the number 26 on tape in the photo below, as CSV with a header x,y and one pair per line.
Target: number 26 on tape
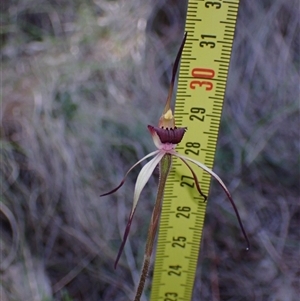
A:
x,y
202,73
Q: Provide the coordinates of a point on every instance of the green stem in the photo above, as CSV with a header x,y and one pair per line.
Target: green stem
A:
x,y
164,169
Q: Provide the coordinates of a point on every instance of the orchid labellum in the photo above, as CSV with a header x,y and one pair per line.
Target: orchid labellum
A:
x,y
165,137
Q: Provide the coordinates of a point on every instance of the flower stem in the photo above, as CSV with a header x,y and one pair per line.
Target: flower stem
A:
x,y
164,169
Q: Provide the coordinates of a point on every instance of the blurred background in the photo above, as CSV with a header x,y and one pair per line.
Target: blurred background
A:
x,y
80,82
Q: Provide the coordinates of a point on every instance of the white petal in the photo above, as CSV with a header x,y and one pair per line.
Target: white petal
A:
x,y
146,157
204,167
201,165
143,178
208,170
130,169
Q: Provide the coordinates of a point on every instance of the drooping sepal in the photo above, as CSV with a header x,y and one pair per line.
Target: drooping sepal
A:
x,y
209,171
127,173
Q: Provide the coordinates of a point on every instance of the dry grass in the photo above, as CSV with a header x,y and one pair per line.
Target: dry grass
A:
x,y
80,82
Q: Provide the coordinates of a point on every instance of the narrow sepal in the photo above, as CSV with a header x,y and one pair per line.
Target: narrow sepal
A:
x,y
208,170
144,176
130,169
127,229
175,67
195,179
141,181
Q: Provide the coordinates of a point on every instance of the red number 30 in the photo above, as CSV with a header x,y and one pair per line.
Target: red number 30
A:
x,y
202,73
199,83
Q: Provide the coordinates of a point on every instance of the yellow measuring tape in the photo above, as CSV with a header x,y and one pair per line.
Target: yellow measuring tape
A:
x,y
201,87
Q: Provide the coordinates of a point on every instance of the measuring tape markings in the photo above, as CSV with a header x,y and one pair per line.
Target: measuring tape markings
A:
x,y
183,210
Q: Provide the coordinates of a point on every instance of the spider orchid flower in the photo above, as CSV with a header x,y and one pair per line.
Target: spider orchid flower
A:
x,y
165,137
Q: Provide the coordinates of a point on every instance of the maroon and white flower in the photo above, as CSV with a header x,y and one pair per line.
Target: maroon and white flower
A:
x,y
166,137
